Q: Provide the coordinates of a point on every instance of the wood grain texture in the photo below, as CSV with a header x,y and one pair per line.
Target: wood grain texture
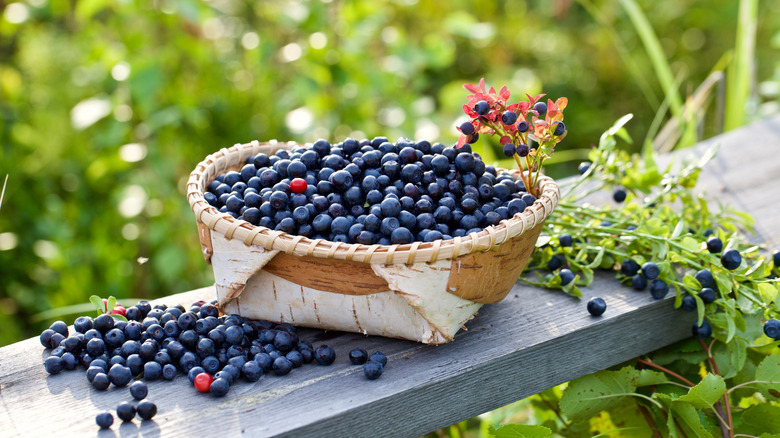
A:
x,y
341,276
528,342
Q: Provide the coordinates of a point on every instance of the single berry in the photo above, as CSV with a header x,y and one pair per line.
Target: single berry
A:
x,y
60,327
560,128
705,279
772,329
596,306
125,411
522,126
146,409
776,259
567,276
324,355
707,295
702,331
139,390
282,366
522,150
298,185
639,282
688,303
731,259
101,381
378,356
509,118
510,150
658,289
619,195
629,267
203,381
650,270
541,108
467,128
565,239
219,387
583,167
358,356
104,420
373,370
481,108
714,245
53,365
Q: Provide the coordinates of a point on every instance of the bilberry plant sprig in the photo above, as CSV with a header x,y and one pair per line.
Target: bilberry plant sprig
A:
x,y
527,130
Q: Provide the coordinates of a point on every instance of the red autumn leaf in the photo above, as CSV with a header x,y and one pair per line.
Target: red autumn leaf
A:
x,y
505,140
561,103
461,141
504,94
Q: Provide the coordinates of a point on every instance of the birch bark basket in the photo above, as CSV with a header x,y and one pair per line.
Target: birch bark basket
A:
x,y
420,291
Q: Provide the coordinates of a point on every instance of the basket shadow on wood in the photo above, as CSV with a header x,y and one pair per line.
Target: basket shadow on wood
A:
x,y
419,291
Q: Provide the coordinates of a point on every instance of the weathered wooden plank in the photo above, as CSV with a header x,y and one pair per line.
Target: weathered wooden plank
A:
x,y
532,340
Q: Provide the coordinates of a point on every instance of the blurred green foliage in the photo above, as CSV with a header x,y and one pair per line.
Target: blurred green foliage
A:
x,y
106,106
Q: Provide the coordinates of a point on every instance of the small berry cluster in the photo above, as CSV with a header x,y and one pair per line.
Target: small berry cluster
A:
x,y
370,192
517,125
126,411
373,366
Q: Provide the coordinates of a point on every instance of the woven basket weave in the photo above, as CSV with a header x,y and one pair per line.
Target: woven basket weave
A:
x,y
480,267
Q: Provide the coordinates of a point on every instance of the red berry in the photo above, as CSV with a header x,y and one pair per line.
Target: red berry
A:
x,y
118,310
203,382
298,185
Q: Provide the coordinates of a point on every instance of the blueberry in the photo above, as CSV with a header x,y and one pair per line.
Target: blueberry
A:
x,y
125,411
378,357
295,357
60,327
639,282
120,375
772,329
83,323
104,323
688,303
707,295
152,371
169,371
541,108
650,271
92,371
401,236
565,239
523,126
483,107
559,129
714,245
358,356
282,366
583,167
467,128
373,370
96,347
705,279
251,371
53,365
629,267
596,306
508,118
104,420
264,361
510,150
46,336
658,289
146,409
776,259
101,381
702,331
567,276
325,355
619,195
219,387
731,259
556,261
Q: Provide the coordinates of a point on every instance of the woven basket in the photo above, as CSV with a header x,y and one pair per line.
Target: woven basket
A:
x,y
419,291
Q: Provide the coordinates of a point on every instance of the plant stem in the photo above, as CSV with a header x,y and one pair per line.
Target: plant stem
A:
x,y
552,408
649,420
730,426
666,370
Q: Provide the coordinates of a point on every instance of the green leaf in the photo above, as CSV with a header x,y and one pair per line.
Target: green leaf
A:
x,y
691,283
762,418
678,229
98,303
768,374
520,431
111,304
690,244
591,394
651,377
767,291
705,393
119,317
688,418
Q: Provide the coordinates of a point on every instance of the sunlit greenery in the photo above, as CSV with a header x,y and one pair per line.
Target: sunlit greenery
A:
x,y
106,106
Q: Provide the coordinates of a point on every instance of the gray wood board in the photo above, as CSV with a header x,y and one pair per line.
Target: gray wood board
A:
x,y
532,340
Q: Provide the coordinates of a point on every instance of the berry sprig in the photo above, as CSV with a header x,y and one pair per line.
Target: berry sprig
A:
x,y
108,306
527,130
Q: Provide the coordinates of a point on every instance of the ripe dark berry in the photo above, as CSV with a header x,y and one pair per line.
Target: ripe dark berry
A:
x,y
658,289
510,150
467,128
146,409
702,331
776,259
101,381
120,375
556,261
583,167
619,195
139,390
714,245
705,279
629,267
152,371
522,150
508,118
373,370
541,108
731,259
219,387
688,303
53,365
251,371
96,347
772,329
559,129
650,270
596,306
282,366
565,239
325,355
104,323
567,276
522,126
707,295
482,108
125,411
169,371
639,282
379,357
104,420
358,356
60,327
82,324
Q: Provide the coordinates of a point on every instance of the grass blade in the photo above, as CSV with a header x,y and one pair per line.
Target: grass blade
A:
x,y
742,68
3,192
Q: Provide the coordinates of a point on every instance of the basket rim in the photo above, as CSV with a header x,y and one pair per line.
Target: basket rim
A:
x,y
415,252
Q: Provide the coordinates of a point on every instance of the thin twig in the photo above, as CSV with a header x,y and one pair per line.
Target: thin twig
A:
x,y
549,405
666,370
726,403
3,192
649,419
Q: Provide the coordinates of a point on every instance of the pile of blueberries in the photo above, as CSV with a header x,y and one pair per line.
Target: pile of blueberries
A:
x,y
160,342
370,192
126,411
